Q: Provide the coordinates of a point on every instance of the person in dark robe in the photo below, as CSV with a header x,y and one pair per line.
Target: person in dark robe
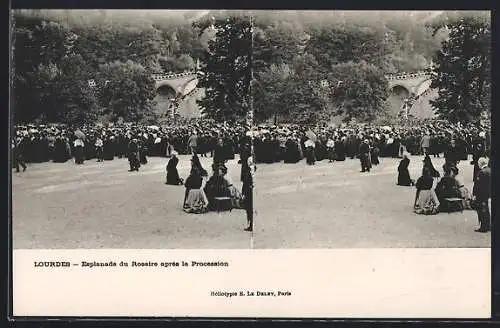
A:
x,y
364,156
291,154
481,194
220,155
79,151
217,186
247,191
17,156
310,154
403,173
108,151
340,150
143,151
375,151
448,187
229,148
195,200
172,173
430,167
426,200
133,155
61,152
452,155
195,162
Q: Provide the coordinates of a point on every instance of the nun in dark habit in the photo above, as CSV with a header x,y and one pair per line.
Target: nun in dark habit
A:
x,y
403,173
172,173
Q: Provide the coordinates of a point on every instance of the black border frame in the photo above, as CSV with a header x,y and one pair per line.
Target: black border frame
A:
x,y
253,5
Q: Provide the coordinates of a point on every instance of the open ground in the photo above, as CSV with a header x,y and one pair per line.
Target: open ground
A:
x,y
328,205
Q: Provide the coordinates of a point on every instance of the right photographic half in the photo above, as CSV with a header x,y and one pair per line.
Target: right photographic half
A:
x,y
371,129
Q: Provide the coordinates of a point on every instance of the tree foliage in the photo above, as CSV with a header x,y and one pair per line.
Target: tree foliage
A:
x,y
294,53
463,69
225,71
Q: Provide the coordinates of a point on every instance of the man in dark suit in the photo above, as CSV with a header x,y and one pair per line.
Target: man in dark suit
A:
x,y
481,195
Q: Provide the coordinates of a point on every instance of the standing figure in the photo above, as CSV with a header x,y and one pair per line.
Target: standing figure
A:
x,y
403,173
193,143
133,155
364,156
172,173
99,149
17,156
247,191
220,152
330,145
310,146
78,144
481,194
247,179
143,150
452,155
425,143
478,151
375,151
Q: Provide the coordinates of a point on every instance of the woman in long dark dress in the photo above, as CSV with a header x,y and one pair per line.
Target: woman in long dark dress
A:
x,y
429,166
79,146
375,151
172,173
195,200
403,173
143,150
310,156
426,201
292,154
340,150
217,185
448,187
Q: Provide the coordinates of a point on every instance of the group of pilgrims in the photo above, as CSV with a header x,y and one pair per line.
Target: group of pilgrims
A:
x,y
288,143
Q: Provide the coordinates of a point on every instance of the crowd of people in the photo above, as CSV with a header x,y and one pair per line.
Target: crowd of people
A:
x,y
272,143
288,143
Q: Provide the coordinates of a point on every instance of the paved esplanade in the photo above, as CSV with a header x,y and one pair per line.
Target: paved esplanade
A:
x,y
101,205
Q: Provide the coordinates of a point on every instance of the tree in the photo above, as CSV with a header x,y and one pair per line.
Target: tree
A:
x,y
225,71
177,64
463,70
361,91
126,90
334,45
277,43
272,92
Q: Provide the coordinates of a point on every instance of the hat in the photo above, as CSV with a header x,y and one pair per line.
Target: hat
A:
x,y
482,162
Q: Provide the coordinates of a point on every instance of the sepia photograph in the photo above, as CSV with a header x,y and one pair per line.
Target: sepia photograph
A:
x,y
217,129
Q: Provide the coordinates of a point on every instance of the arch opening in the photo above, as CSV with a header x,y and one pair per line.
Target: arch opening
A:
x,y
164,95
396,98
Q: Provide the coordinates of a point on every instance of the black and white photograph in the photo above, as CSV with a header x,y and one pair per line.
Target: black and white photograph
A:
x,y
214,129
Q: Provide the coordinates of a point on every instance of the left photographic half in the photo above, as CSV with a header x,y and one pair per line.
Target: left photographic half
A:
x,y
130,129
